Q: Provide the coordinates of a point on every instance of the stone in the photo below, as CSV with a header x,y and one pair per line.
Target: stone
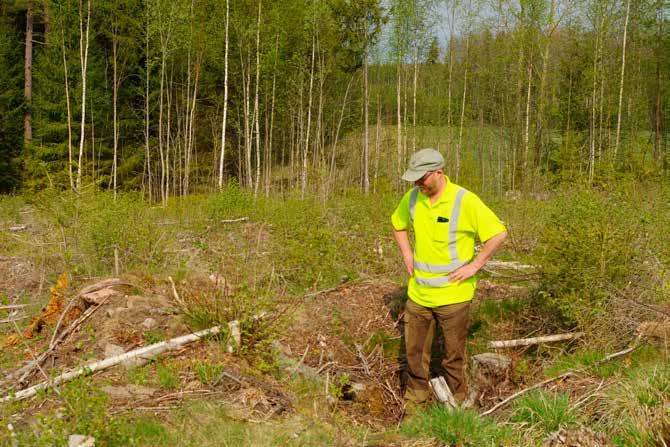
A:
x,y
496,361
112,350
100,296
149,324
135,362
81,441
116,311
128,392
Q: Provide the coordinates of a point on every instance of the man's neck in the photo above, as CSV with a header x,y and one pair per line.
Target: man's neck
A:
x,y
442,183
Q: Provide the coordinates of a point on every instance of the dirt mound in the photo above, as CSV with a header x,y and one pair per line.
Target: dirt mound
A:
x,y
352,337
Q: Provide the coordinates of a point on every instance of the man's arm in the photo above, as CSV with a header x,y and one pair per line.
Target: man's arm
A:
x,y
402,239
487,251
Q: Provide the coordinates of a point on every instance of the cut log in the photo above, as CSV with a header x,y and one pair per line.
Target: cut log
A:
x,y
241,219
234,336
442,392
150,351
533,340
111,282
507,265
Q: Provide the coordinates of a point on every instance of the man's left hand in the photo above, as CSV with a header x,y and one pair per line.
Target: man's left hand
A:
x,y
464,273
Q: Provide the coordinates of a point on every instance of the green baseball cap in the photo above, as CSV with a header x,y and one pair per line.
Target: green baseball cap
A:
x,y
421,162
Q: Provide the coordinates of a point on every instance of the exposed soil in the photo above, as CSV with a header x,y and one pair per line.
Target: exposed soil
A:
x,y
350,338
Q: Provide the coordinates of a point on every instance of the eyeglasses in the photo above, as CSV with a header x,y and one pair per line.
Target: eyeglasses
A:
x,y
425,177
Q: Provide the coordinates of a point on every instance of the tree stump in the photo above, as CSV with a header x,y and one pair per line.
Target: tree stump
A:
x,y
492,376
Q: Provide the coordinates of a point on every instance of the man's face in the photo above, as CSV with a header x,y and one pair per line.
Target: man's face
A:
x,y
429,183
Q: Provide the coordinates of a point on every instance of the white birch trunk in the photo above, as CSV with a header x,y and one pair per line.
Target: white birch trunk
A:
x,y
623,69
256,107
69,116
83,55
225,99
303,174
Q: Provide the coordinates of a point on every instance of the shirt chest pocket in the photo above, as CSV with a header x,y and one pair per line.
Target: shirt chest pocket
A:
x,y
440,226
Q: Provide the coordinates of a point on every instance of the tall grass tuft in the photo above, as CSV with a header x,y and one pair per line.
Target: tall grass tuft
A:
x,y
457,427
543,412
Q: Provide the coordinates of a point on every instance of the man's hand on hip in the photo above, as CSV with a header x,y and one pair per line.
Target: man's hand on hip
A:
x,y
463,273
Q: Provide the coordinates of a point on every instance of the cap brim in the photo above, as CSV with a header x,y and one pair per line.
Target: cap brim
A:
x,y
411,175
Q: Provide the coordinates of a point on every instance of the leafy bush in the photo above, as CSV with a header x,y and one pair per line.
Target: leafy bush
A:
x,y
592,246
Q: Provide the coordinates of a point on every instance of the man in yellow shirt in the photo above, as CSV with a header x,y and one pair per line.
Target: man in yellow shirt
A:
x,y
445,219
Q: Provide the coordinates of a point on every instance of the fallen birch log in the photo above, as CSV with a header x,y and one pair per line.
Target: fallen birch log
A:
x,y
507,265
144,352
442,392
533,340
241,219
13,306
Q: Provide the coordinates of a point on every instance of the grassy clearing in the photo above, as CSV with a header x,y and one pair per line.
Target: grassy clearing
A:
x,y
583,241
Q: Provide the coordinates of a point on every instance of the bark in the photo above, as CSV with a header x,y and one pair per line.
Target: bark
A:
x,y
225,99
623,69
414,88
460,130
256,107
28,77
69,115
526,132
331,173
534,340
145,352
377,142
399,120
83,55
442,392
658,109
115,128
147,156
366,142
303,174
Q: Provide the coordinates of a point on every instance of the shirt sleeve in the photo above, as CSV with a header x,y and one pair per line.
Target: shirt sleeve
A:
x,y
484,221
400,217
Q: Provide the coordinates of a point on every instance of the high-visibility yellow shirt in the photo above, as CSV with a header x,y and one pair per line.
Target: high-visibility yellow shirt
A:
x,y
431,240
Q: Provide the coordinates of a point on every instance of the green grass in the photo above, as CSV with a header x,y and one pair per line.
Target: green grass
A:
x,y
456,427
543,412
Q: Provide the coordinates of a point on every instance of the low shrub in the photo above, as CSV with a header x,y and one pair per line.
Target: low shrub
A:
x,y
592,248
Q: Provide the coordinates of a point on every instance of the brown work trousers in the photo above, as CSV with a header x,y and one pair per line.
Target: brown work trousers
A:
x,y
420,325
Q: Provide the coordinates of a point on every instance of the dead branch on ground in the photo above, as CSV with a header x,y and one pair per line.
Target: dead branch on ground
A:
x,y
150,351
533,340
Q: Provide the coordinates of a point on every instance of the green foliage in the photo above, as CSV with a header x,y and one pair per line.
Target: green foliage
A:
x,y
208,373
592,245
94,225
10,111
543,412
232,202
166,376
456,427
84,411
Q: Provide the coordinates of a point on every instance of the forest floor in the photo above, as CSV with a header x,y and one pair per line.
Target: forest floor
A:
x,y
320,358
